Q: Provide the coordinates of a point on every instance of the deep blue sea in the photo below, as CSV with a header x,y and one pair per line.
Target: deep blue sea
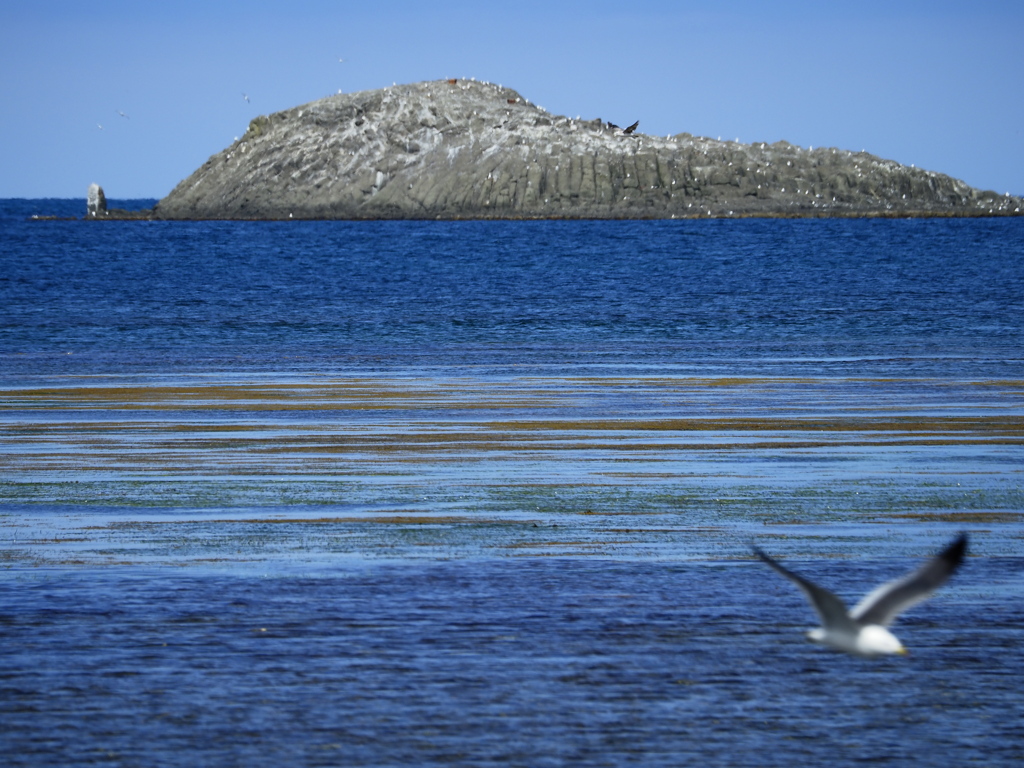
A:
x,y
869,296
482,493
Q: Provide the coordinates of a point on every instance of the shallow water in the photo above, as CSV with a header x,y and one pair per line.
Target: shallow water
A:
x,y
299,473
483,493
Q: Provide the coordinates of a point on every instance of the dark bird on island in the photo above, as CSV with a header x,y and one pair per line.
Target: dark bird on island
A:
x,y
631,128
612,125
862,631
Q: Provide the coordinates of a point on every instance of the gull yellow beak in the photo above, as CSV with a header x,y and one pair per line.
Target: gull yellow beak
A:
x,y
903,651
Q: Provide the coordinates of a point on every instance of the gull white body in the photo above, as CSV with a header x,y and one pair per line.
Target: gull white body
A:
x,y
863,631
871,640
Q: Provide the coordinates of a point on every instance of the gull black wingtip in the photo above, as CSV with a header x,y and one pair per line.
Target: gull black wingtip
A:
x,y
770,561
956,551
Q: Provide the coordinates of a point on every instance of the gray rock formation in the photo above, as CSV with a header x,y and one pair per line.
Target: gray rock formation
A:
x,y
462,149
95,201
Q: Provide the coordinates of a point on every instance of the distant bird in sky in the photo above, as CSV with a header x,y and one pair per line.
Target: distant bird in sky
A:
x,y
341,61
122,114
98,125
862,631
631,128
246,97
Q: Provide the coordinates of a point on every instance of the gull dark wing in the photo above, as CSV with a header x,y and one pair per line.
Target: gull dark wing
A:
x,y
830,608
887,602
631,128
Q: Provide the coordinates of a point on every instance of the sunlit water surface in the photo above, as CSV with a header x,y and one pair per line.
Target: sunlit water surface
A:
x,y
482,493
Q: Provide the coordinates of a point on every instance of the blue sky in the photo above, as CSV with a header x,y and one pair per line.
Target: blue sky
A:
x,y
937,84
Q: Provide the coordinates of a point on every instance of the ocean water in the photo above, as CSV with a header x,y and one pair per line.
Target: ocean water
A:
x,y
474,493
789,297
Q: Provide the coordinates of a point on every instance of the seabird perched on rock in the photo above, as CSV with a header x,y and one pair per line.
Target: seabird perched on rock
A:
x,y
862,631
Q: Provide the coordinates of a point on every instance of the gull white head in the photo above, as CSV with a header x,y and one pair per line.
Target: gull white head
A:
x,y
875,640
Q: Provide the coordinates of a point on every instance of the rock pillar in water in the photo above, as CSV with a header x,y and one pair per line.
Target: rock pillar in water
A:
x,y
95,201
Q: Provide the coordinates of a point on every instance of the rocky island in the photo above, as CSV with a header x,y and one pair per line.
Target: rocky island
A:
x,y
461,149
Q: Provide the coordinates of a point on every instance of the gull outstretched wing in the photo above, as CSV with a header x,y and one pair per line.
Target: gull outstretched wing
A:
x,y
830,608
884,604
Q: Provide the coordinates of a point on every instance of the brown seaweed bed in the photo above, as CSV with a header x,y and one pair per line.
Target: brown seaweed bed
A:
x,y
306,472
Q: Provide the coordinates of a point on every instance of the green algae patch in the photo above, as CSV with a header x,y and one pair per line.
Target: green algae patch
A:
x,y
967,517
372,520
1007,425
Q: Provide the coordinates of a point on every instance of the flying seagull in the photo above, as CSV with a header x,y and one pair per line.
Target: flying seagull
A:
x,y
246,97
631,128
122,114
862,631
